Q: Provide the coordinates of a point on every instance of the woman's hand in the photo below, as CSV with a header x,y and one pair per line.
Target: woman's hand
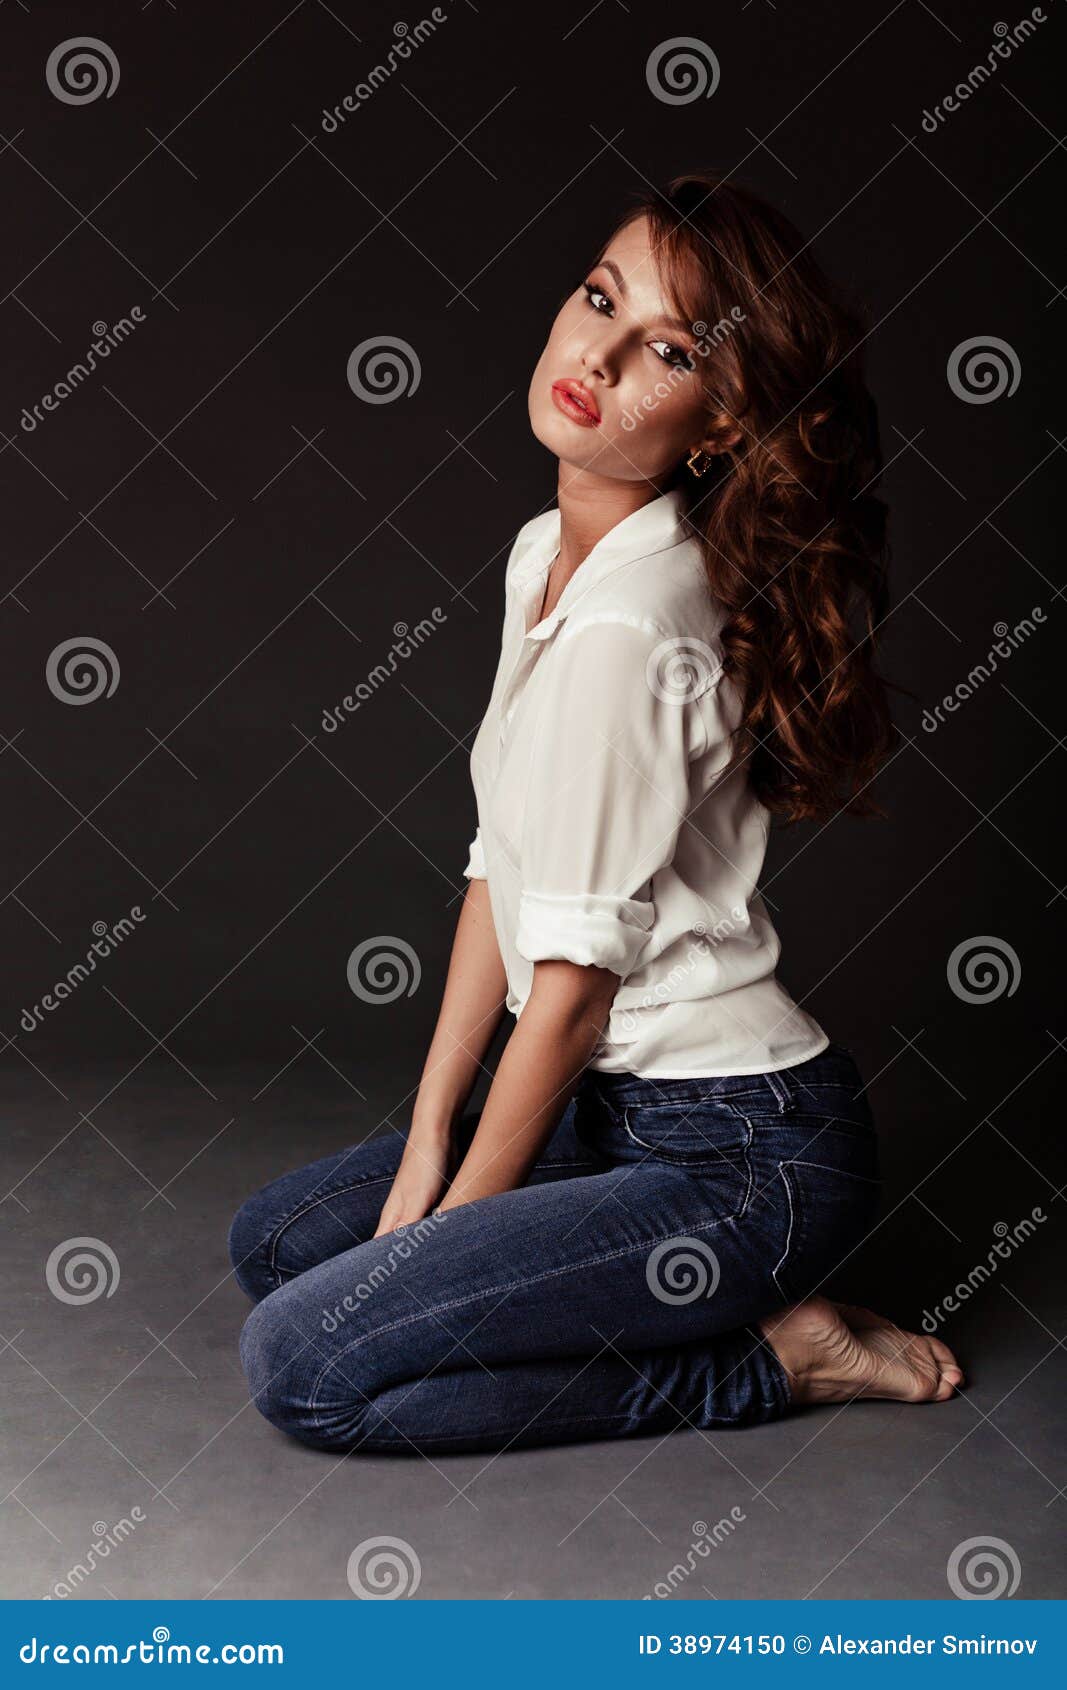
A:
x,y
420,1181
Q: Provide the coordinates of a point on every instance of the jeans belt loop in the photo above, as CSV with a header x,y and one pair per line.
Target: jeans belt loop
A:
x,y
781,1090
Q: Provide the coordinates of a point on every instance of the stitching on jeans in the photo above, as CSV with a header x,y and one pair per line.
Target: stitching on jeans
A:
x,y
845,1173
780,1091
559,1420
499,1432
298,1214
341,1191
697,1168
496,1290
789,1234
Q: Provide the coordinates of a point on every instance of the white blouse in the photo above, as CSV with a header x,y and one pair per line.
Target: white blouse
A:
x,y
610,828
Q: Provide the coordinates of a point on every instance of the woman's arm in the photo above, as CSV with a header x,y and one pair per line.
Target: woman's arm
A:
x,y
472,1006
545,1056
606,795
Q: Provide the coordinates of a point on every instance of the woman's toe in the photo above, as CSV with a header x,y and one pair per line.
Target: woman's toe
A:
x,y
946,1361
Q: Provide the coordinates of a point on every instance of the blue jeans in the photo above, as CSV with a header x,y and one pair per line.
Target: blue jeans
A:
x,y
614,1294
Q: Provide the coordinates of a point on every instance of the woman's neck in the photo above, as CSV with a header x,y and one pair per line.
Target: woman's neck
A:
x,y
589,508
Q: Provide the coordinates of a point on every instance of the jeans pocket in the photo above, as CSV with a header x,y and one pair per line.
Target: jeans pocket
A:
x,y
700,1139
829,1210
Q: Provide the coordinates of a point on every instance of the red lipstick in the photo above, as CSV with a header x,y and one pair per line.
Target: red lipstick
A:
x,y
576,402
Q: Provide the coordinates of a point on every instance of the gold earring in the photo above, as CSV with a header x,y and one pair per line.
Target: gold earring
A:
x,y
699,452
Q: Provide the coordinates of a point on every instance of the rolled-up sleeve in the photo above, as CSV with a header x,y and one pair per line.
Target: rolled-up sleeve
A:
x,y
607,796
475,869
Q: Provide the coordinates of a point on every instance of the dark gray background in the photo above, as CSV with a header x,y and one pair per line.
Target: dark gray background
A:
x,y
220,508
264,850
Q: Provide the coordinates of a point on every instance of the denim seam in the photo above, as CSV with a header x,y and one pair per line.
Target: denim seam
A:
x,y
851,1129
341,1191
690,1165
557,1420
781,1091
846,1173
664,1098
789,1234
780,1384
300,1211
499,1290
501,1431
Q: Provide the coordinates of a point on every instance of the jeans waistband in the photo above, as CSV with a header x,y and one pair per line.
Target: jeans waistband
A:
x,y
779,1087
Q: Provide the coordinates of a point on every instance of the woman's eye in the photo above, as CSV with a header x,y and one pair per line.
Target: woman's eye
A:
x,y
592,294
671,354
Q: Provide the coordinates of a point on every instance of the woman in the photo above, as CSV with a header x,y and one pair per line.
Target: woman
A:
x,y
672,1158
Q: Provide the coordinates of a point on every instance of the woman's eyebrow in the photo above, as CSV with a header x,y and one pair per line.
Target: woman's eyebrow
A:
x,y
668,322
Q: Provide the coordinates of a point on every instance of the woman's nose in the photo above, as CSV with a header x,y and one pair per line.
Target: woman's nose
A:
x,y
600,358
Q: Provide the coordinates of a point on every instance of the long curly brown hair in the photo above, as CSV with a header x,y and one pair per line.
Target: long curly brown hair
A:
x,y
794,533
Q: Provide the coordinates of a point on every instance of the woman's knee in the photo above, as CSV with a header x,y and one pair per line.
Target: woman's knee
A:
x,y
284,1365
249,1242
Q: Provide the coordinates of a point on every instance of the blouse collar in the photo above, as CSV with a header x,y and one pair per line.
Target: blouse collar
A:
x,y
654,527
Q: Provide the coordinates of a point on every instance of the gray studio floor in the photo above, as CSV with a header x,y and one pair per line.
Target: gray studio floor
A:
x,y
868,1501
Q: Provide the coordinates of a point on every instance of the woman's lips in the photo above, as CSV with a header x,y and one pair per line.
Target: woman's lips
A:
x,y
576,402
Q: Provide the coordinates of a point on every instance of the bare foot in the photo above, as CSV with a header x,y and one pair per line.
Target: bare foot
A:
x,y
833,1353
862,1319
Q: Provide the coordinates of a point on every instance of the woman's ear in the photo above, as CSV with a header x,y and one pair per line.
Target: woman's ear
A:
x,y
721,433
